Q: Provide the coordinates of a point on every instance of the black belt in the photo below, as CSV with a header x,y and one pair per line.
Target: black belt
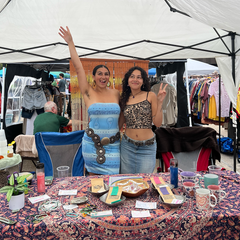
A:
x,y
100,151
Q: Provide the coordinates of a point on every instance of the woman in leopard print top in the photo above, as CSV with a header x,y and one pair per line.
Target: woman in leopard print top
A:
x,y
139,109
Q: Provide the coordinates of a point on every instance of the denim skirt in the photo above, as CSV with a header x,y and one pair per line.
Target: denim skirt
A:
x,y
137,159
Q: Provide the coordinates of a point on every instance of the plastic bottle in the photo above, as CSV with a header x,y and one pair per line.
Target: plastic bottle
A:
x,y
10,149
174,172
40,177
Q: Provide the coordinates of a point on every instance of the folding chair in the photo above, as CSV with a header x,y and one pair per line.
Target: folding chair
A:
x,y
192,146
60,149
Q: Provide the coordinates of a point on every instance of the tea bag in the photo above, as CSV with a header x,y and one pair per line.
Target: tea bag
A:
x,y
97,185
114,194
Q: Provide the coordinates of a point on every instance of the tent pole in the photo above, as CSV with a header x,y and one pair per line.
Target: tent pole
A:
x,y
233,55
188,96
219,110
2,97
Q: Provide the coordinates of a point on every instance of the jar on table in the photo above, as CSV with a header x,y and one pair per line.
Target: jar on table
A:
x,y
10,150
40,173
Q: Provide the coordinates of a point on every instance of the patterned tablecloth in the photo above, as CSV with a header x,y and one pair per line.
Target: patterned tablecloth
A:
x,y
185,222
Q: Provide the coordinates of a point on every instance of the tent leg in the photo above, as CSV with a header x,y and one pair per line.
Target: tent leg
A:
x,y
2,98
233,56
188,96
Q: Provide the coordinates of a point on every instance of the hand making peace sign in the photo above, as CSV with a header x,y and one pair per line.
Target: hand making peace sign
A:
x,y
162,93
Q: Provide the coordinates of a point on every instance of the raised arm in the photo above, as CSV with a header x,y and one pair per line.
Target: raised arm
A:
x,y
82,80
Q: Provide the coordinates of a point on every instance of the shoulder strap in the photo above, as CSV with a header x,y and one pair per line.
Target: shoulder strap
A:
x,y
147,95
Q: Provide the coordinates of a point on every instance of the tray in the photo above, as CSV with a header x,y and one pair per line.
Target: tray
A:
x,y
101,193
104,197
173,205
26,173
127,183
29,178
79,200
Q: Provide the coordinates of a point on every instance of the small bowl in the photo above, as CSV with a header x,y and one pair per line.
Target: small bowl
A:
x,y
174,205
188,176
104,197
214,169
79,200
100,193
126,183
168,184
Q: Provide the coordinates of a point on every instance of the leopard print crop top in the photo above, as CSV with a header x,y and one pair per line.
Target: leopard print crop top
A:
x,y
139,115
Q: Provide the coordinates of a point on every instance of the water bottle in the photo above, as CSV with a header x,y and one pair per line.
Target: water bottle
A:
x,y
40,177
174,172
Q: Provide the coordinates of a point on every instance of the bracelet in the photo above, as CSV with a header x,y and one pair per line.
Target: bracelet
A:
x,y
32,219
70,214
35,218
40,217
88,210
49,205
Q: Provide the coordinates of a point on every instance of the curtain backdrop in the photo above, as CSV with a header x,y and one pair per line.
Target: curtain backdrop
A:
x,y
117,70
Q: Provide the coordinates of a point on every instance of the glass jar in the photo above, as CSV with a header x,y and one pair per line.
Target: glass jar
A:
x,y
40,177
10,151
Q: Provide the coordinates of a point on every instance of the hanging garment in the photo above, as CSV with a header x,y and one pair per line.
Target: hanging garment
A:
x,y
169,106
225,100
33,98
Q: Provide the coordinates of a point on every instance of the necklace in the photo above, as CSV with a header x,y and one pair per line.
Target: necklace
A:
x,y
136,94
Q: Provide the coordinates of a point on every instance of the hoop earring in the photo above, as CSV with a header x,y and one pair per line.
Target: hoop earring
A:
x,y
94,84
108,84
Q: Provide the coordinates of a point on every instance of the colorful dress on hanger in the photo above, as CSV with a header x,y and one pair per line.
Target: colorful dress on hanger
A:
x,y
225,100
103,121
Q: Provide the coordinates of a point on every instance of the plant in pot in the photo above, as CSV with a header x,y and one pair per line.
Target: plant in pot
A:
x,y
15,190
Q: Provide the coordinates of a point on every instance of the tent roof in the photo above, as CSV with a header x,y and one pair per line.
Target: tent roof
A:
x,y
109,29
194,68
199,68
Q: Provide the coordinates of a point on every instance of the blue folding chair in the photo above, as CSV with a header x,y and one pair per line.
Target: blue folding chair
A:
x,y
60,149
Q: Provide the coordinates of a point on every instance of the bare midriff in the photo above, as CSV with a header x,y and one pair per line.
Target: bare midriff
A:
x,y
139,134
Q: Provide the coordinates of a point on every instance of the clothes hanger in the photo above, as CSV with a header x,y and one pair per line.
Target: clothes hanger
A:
x,y
35,85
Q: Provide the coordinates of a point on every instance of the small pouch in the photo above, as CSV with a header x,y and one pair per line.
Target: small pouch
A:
x,y
97,185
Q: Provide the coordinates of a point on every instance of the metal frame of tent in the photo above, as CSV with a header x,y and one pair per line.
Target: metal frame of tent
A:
x,y
231,52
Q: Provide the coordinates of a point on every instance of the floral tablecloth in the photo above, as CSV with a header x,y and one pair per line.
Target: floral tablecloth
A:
x,y
185,222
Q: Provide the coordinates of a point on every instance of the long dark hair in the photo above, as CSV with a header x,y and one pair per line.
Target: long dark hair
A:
x,y
97,67
126,90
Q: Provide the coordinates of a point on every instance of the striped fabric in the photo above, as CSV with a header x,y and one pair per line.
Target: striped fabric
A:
x,y
104,121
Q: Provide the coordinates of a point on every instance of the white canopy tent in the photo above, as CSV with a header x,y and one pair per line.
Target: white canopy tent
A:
x,y
123,29
194,68
200,68
113,29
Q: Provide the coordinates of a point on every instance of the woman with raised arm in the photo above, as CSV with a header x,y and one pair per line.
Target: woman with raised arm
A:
x,y
140,108
101,144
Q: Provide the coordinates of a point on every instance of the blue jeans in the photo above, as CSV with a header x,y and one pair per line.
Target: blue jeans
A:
x,y
33,98
137,159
